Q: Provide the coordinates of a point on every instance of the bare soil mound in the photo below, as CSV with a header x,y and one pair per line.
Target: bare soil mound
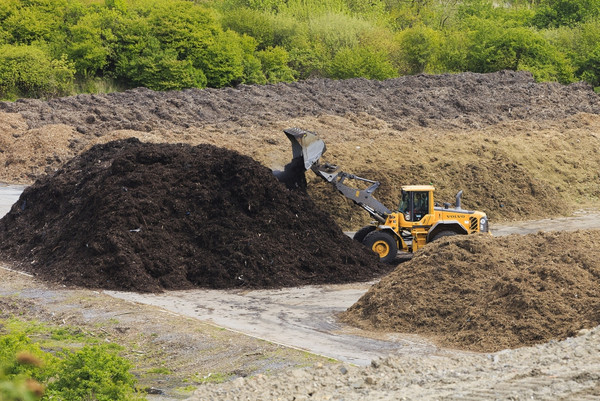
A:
x,y
519,149
129,215
459,100
486,294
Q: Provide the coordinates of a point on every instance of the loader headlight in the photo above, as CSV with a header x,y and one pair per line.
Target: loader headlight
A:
x,y
483,225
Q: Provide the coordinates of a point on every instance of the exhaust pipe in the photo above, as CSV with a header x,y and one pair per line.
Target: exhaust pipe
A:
x,y
458,199
307,149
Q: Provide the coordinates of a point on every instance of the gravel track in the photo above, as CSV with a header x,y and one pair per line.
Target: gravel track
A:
x,y
563,370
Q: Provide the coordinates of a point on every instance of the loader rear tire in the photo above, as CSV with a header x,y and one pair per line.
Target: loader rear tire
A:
x,y
382,244
362,233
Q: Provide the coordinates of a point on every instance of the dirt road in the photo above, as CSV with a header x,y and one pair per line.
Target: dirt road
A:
x,y
299,317
9,194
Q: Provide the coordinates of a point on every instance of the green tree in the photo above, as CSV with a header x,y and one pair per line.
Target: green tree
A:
x,y
253,73
582,45
556,13
223,60
90,43
29,21
308,58
268,29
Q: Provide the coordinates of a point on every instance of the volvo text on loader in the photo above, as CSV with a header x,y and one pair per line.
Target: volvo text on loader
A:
x,y
417,221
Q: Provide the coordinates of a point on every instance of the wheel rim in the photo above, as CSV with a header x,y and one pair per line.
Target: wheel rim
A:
x,y
381,248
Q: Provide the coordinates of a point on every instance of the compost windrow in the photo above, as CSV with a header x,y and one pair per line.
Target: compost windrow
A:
x,y
129,215
483,293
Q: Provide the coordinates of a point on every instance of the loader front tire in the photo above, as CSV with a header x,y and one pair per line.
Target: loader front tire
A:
x,y
362,233
442,234
382,244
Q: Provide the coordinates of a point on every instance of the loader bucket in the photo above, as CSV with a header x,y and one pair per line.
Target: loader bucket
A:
x,y
305,144
307,149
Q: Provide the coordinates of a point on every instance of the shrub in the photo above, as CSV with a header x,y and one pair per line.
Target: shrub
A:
x,y
14,344
91,43
361,62
253,73
495,47
274,64
582,45
223,60
27,71
159,69
18,388
418,50
556,13
337,31
93,373
28,22
269,30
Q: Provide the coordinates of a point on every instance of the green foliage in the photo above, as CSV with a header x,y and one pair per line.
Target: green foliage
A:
x,y
405,15
269,30
306,9
361,62
90,43
556,13
419,50
27,22
183,26
17,388
274,62
223,60
176,44
93,373
582,45
337,31
253,73
15,343
495,47
308,58
159,69
28,71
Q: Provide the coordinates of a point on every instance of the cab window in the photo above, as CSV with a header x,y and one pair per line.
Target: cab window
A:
x,y
405,203
421,205
414,205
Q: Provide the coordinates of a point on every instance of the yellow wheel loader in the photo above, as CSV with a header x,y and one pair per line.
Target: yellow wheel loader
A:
x,y
417,221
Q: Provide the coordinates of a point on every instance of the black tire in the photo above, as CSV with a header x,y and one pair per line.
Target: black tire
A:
x,y
382,244
362,233
442,234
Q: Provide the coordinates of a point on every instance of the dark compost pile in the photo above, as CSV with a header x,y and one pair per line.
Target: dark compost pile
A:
x,y
129,215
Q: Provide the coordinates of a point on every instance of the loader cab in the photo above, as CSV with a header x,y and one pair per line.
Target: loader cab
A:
x,y
416,202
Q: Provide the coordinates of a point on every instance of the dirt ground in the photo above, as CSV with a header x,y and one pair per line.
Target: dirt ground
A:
x,y
172,353
519,150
